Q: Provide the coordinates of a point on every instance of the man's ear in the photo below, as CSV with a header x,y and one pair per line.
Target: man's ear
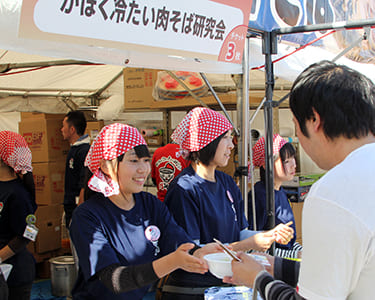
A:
x,y
72,130
316,121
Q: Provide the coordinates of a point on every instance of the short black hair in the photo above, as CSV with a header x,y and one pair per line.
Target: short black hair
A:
x,y
207,153
77,120
343,98
140,151
286,151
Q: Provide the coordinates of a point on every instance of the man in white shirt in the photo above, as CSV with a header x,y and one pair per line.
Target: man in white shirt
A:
x,y
334,115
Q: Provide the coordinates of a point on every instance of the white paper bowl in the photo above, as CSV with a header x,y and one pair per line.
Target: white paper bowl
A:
x,y
219,264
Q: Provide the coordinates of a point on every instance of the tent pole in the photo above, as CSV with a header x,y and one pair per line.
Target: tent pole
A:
x,y
269,42
243,113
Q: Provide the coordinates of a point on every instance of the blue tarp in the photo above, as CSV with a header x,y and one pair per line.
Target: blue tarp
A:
x,y
267,15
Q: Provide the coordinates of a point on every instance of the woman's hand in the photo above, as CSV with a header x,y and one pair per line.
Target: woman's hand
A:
x,y
262,241
179,259
244,271
189,262
207,249
283,233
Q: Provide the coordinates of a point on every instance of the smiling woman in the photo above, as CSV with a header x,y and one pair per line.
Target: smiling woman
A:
x,y
125,238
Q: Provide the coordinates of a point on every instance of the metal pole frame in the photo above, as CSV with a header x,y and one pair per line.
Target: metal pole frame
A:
x,y
269,48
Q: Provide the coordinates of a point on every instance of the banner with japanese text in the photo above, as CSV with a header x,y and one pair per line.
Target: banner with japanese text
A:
x,y
202,29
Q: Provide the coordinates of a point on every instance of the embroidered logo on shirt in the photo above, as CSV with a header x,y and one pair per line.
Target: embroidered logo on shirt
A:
x,y
71,163
167,170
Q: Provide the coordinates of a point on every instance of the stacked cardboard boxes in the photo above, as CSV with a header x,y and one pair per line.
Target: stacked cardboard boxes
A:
x,y
42,132
93,128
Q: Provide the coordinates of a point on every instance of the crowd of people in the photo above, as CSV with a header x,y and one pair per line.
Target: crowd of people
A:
x,y
126,239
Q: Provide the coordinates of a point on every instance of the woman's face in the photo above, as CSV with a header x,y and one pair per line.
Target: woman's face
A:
x,y
133,172
223,151
285,171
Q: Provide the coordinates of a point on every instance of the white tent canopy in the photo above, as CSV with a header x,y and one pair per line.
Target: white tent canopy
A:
x,y
52,89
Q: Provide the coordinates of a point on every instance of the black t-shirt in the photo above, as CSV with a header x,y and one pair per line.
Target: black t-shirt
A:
x,y
15,206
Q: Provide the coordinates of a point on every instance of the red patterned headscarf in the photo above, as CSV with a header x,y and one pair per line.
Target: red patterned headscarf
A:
x,y
259,152
199,128
15,152
112,141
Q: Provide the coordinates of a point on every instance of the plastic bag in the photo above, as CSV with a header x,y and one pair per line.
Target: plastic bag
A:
x,y
168,88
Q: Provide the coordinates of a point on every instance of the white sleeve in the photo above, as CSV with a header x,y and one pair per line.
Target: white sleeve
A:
x,y
333,250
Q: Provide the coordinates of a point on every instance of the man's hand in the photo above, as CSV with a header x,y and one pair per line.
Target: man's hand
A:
x,y
244,271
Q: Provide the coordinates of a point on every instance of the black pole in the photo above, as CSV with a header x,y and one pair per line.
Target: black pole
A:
x,y
268,49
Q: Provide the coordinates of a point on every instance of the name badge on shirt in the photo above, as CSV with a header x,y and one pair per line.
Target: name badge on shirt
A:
x,y
31,231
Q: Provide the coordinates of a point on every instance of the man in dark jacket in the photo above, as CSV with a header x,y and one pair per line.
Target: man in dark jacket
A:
x,y
73,129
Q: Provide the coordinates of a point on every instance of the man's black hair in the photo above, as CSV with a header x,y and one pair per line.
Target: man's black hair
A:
x,y
343,98
77,120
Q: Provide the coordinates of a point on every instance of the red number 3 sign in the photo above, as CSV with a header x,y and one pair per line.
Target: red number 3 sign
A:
x,y
231,51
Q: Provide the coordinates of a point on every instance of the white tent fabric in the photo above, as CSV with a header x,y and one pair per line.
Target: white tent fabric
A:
x,y
54,84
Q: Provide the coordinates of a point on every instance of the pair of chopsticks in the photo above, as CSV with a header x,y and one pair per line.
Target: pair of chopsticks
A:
x,y
227,250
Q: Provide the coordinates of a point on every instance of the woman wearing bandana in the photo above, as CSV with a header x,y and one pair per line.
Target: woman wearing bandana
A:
x,y
125,238
284,170
17,202
207,203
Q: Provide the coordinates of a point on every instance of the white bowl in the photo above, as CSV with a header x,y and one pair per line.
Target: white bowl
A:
x,y
219,264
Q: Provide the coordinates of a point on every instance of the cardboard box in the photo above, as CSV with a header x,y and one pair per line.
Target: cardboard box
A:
x,y
138,86
297,211
37,115
44,138
49,182
93,128
48,221
156,140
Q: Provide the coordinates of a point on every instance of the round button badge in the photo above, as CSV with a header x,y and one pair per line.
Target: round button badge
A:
x,y
152,233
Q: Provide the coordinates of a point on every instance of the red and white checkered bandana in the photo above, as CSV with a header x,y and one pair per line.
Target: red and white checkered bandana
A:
x,y
112,141
259,152
15,152
199,128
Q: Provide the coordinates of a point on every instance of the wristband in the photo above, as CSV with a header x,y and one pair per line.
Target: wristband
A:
x,y
191,251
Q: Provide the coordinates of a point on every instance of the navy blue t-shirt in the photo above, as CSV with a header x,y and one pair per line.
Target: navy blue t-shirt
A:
x,y
283,210
105,234
205,209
